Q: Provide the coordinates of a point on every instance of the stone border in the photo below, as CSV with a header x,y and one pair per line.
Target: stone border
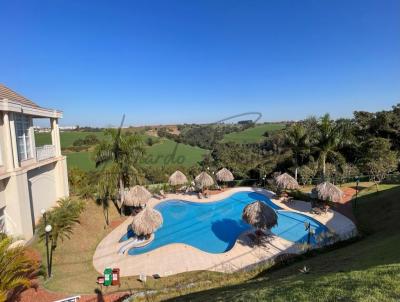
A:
x,y
177,257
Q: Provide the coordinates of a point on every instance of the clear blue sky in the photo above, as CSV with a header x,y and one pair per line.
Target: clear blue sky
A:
x,y
199,61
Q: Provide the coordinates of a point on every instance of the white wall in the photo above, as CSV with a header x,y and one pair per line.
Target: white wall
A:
x,y
42,189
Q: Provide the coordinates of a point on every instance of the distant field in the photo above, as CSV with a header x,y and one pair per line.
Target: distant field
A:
x,y
67,138
168,152
164,153
252,135
81,160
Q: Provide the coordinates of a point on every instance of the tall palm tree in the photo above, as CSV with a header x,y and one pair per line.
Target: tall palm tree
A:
x,y
329,137
119,155
298,139
15,269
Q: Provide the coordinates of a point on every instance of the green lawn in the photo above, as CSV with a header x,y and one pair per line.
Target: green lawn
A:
x,y
252,135
163,153
81,160
67,137
367,270
168,152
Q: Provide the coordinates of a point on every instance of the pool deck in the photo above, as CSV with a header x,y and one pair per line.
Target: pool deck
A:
x,y
177,258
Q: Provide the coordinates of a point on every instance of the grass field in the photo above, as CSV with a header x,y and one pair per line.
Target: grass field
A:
x,y
164,153
252,135
366,270
80,160
67,137
168,152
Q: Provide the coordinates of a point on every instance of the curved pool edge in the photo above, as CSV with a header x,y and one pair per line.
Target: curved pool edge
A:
x,y
177,257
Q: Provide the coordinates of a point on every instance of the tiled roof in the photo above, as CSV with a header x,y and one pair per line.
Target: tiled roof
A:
x,y
7,93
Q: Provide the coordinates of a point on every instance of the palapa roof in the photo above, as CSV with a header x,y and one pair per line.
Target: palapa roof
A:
x,y
224,175
146,222
328,192
259,215
204,180
177,178
136,196
285,181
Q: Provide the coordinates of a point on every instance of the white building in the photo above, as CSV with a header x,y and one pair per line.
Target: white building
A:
x,y
31,178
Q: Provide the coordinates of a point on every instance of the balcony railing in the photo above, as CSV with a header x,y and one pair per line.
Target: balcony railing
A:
x,y
45,152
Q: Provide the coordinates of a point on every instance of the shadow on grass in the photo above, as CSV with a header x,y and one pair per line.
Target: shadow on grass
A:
x,y
354,266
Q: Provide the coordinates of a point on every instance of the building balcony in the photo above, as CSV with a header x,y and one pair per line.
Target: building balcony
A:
x,y
45,152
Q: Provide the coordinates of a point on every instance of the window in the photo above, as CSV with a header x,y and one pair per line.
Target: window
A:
x,y
2,221
22,125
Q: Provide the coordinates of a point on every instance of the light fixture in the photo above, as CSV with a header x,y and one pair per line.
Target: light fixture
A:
x,y
48,228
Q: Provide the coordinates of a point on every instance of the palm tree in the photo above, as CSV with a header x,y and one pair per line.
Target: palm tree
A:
x,y
329,137
15,269
62,220
297,137
119,156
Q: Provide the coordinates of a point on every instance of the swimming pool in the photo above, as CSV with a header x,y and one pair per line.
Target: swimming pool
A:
x,y
214,227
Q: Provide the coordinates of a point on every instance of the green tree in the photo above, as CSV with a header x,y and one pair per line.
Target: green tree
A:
x,y
329,138
297,138
308,172
91,139
15,269
119,156
379,159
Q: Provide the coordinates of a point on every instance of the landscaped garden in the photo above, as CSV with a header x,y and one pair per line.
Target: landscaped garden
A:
x,y
302,244
332,272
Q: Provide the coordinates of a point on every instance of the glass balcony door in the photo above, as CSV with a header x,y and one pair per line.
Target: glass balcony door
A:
x,y
22,126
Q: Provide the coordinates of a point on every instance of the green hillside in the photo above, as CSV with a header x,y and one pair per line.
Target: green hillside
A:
x,y
81,160
367,270
165,152
168,152
252,135
67,137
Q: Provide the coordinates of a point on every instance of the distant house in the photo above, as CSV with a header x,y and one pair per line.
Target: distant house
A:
x,y
31,178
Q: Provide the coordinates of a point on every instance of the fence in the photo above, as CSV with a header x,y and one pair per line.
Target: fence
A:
x,y
45,152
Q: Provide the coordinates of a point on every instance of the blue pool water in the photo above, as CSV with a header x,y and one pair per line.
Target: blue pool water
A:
x,y
214,227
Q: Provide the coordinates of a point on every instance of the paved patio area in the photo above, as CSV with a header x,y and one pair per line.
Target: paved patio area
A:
x,y
177,258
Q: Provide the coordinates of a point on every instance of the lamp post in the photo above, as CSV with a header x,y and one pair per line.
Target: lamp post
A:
x,y
48,229
43,212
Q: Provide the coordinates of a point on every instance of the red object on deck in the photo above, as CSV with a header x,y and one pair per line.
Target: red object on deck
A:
x,y
115,277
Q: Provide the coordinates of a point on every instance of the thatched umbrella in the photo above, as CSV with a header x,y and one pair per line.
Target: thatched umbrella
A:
x,y
136,196
327,192
146,222
224,175
259,215
286,182
203,180
177,178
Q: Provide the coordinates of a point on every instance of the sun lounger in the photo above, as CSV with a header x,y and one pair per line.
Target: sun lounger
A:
x,y
316,211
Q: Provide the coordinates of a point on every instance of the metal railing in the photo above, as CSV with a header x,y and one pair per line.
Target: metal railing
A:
x,y
45,152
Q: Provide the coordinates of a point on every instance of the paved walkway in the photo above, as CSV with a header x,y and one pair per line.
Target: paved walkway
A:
x,y
177,258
